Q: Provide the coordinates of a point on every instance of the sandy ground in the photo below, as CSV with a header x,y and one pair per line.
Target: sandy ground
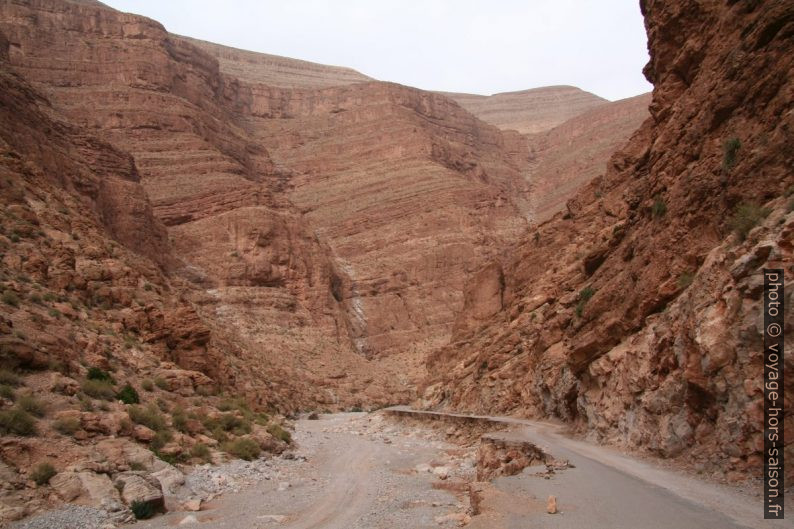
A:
x,y
359,471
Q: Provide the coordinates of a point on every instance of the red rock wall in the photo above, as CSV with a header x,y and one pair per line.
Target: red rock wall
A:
x,y
634,314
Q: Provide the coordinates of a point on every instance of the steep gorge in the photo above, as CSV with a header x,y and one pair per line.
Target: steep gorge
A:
x,y
308,238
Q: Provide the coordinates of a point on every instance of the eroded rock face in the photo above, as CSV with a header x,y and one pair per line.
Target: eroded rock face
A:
x,y
570,155
297,229
634,314
530,111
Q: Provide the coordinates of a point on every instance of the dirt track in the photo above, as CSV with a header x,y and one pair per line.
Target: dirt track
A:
x,y
360,472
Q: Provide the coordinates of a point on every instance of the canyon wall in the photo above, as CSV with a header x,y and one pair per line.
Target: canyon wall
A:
x,y
530,111
320,221
568,156
635,313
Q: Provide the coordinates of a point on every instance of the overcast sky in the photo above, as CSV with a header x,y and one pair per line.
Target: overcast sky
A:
x,y
476,46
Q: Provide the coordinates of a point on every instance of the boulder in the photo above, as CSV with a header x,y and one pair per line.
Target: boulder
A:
x,y
170,479
135,487
143,434
86,488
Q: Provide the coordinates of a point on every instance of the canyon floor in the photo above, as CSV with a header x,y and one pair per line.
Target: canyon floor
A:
x,y
358,470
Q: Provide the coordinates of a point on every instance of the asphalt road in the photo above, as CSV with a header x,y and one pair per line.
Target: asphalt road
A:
x,y
611,490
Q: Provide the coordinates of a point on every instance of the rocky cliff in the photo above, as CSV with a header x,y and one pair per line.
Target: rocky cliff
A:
x,y
634,314
571,154
307,244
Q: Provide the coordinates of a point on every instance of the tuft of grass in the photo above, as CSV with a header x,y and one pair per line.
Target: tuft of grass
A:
x,y
42,473
179,419
747,216
149,416
17,421
7,392
147,385
86,404
32,405
142,510
9,378
584,296
243,448
128,395
161,383
279,433
98,389
67,425
10,297
201,451
685,279
729,150
659,208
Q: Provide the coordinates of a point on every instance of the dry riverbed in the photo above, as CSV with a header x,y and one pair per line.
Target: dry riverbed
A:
x,y
373,471
352,471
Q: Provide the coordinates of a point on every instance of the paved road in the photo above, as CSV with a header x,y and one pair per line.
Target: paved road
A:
x,y
610,490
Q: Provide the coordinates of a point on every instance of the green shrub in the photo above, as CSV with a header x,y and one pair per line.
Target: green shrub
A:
x,y
279,433
9,378
162,438
54,313
35,298
659,208
17,422
99,389
7,392
32,405
584,296
42,473
218,434
128,395
149,416
228,422
729,150
142,510
244,448
49,297
95,373
67,425
147,385
747,216
161,383
179,420
201,451
10,298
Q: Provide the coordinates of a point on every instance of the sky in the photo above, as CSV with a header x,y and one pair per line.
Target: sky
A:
x,y
474,46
